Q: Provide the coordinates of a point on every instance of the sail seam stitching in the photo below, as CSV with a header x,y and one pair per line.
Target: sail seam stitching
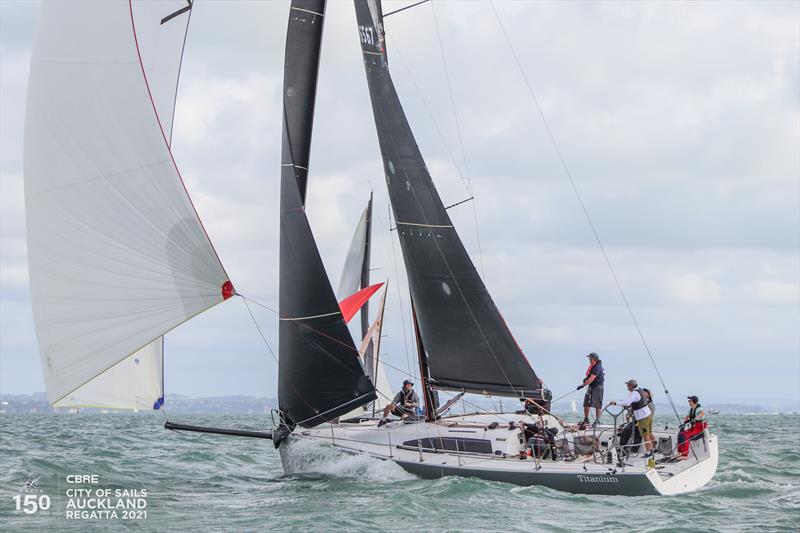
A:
x,y
425,225
307,11
312,316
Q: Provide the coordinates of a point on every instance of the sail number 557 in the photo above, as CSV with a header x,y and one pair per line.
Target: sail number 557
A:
x,y
367,34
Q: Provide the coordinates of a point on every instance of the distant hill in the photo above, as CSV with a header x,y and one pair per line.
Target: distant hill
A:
x,y
175,403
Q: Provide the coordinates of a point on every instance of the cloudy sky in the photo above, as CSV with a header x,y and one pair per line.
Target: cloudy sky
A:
x,y
680,123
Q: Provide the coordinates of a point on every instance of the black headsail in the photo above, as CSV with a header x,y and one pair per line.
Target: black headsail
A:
x,y
319,376
468,345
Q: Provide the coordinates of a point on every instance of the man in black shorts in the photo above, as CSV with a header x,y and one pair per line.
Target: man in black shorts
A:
x,y
595,375
405,403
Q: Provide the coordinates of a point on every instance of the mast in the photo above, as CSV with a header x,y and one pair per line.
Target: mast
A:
x,y
424,374
468,345
320,376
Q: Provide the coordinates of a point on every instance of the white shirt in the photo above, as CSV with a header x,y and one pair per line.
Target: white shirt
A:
x,y
638,414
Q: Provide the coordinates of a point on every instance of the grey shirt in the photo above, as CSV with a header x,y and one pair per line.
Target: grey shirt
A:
x,y
402,397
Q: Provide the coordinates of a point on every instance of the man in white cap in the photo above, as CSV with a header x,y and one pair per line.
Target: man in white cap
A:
x,y
637,401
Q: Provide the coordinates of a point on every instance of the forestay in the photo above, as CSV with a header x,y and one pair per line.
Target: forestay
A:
x,y
117,254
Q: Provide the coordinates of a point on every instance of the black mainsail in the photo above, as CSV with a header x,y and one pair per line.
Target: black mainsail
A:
x,y
468,345
319,374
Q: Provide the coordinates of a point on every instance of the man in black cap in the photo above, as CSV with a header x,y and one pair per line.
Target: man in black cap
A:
x,y
595,375
693,426
405,403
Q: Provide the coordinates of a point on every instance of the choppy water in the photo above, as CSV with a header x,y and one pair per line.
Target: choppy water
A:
x,y
212,483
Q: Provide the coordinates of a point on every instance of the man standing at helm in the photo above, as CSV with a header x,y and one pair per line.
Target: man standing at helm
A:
x,y
593,381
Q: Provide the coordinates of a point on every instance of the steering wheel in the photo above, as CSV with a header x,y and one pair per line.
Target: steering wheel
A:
x,y
615,411
608,409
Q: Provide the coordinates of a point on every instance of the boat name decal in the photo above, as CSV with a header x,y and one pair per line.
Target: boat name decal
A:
x,y
598,479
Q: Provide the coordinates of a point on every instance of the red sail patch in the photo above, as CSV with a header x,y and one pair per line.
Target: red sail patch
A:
x,y
227,290
350,305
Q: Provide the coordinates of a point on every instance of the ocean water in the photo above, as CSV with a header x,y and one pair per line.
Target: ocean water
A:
x,y
193,482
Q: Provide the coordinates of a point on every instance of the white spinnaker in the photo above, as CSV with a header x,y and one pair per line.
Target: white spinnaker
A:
x,y
116,253
136,382
161,50
350,282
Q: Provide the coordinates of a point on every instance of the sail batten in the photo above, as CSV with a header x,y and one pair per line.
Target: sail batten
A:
x,y
117,254
468,345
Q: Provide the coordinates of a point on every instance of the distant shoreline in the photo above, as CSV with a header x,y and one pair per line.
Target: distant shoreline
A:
x,y
26,404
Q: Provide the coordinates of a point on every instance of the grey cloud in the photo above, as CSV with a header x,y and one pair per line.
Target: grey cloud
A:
x,y
679,123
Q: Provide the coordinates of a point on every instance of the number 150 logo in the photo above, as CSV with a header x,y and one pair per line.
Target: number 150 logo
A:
x,y
31,503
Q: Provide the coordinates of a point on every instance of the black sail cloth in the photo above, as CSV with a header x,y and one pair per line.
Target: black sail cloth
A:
x,y
319,374
468,344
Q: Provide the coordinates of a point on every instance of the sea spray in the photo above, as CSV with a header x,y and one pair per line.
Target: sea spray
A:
x,y
306,456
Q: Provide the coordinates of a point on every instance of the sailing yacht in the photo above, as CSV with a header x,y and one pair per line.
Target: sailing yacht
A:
x,y
118,257
463,343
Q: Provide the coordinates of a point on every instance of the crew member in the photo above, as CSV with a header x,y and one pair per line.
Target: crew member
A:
x,y
693,426
649,397
404,404
637,401
593,381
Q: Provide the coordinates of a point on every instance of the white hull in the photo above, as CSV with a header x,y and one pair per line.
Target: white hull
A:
x,y
492,452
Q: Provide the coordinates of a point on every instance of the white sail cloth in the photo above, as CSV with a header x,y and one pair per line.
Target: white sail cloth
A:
x,y
116,252
136,382
350,282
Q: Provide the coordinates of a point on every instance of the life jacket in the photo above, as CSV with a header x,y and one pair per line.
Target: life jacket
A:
x,y
589,373
641,402
692,420
406,396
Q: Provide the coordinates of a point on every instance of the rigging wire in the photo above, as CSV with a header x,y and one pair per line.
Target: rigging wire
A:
x,y
257,303
399,294
413,80
408,373
255,323
456,282
460,137
458,286
403,8
583,205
